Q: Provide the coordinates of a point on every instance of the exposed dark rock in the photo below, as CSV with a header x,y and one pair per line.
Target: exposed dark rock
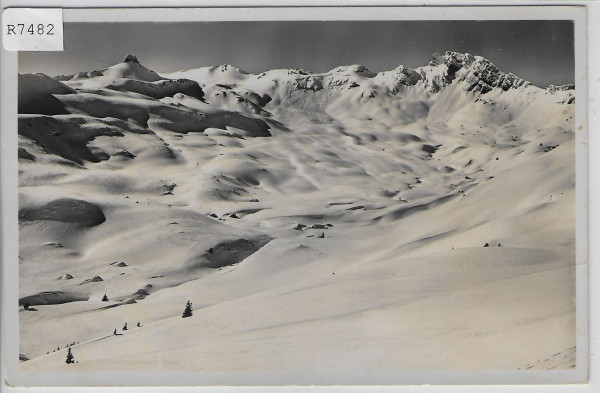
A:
x,y
25,155
125,153
35,95
160,89
131,59
74,136
51,297
429,149
93,279
72,211
231,252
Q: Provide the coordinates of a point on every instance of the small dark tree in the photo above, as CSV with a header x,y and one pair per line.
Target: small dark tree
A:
x,y
139,324
104,298
70,358
125,327
188,310
115,332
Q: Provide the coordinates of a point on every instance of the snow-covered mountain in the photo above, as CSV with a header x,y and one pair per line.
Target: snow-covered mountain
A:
x,y
412,218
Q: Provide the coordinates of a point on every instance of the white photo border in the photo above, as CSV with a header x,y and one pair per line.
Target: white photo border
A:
x,y
577,11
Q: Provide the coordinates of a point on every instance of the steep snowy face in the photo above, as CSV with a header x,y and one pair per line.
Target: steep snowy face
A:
x,y
36,94
484,76
402,75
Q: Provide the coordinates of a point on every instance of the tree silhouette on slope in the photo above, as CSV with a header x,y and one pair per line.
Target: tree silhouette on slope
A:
x,y
70,358
188,310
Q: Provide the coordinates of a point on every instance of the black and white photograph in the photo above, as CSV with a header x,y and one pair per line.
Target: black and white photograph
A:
x,y
303,201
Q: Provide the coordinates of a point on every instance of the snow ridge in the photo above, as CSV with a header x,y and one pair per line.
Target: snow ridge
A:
x,y
472,73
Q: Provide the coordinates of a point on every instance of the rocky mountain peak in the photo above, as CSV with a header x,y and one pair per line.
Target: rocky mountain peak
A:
x,y
479,73
131,59
453,60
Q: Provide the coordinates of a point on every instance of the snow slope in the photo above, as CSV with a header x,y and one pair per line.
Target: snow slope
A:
x,y
317,222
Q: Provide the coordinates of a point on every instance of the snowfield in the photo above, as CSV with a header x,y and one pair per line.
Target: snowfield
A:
x,y
411,219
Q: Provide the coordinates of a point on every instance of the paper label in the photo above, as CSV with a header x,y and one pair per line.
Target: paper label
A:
x,y
32,29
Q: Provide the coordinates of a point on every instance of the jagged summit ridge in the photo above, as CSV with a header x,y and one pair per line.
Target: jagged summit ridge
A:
x,y
470,72
451,70
553,88
478,73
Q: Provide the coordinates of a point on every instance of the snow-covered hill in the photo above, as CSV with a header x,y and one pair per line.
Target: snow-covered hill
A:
x,y
349,220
